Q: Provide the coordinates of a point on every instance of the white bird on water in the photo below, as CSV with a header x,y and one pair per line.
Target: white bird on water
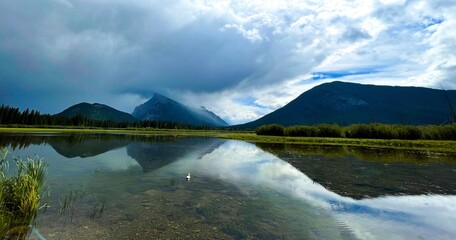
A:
x,y
188,177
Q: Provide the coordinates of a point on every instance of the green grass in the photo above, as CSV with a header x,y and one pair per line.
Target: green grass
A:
x,y
19,195
418,145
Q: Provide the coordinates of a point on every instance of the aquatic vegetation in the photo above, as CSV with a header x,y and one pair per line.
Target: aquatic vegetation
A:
x,y
20,195
68,201
173,182
78,202
97,210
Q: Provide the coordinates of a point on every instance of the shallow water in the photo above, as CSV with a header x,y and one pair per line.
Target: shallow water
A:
x,y
134,187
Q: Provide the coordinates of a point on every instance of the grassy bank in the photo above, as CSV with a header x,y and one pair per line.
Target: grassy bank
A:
x,y
418,145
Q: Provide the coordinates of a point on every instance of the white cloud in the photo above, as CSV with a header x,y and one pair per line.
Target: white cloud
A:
x,y
243,104
240,59
252,35
393,2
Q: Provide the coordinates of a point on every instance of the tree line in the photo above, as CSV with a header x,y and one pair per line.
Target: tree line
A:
x,y
13,116
370,131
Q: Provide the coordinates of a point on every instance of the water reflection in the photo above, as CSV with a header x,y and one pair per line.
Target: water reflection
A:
x,y
150,152
153,155
361,172
424,216
88,147
239,190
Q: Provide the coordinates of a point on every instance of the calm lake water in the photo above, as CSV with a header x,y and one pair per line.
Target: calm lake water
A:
x,y
134,187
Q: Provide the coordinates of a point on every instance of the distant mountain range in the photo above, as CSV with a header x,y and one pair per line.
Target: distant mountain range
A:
x,y
97,111
162,108
336,102
348,103
158,108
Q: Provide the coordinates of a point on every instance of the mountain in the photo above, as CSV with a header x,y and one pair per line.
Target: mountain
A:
x,y
162,108
97,111
348,103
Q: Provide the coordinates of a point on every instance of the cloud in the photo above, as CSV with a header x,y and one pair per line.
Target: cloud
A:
x,y
355,35
241,104
240,59
253,35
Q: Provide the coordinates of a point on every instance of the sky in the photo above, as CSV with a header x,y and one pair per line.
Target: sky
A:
x,y
239,59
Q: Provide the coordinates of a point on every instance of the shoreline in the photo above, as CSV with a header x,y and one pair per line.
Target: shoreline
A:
x,y
439,146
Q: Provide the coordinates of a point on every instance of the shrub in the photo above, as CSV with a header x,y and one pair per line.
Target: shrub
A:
x,y
383,131
329,130
301,131
372,131
272,130
448,132
358,131
409,132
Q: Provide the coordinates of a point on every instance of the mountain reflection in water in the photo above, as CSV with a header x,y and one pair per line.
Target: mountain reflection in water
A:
x,y
371,195
421,216
153,155
150,152
364,172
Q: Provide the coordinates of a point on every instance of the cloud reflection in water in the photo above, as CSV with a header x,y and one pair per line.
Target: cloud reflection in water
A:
x,y
397,217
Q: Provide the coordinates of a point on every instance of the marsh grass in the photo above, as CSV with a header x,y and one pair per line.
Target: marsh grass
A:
x,y
173,182
437,146
78,203
20,195
70,202
97,210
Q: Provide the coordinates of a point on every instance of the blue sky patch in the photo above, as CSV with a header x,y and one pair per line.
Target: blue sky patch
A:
x,y
250,101
341,74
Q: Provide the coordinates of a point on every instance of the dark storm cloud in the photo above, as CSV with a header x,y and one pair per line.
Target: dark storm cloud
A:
x,y
87,48
190,58
55,53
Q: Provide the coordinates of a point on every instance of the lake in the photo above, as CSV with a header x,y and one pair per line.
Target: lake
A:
x,y
114,186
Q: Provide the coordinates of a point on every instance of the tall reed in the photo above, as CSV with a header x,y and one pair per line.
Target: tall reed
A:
x,y
19,195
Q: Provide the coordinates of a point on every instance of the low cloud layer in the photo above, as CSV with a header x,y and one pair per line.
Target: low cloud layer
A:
x,y
240,59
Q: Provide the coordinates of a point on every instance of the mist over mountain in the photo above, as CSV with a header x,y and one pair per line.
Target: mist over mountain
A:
x,y
349,103
97,111
161,108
